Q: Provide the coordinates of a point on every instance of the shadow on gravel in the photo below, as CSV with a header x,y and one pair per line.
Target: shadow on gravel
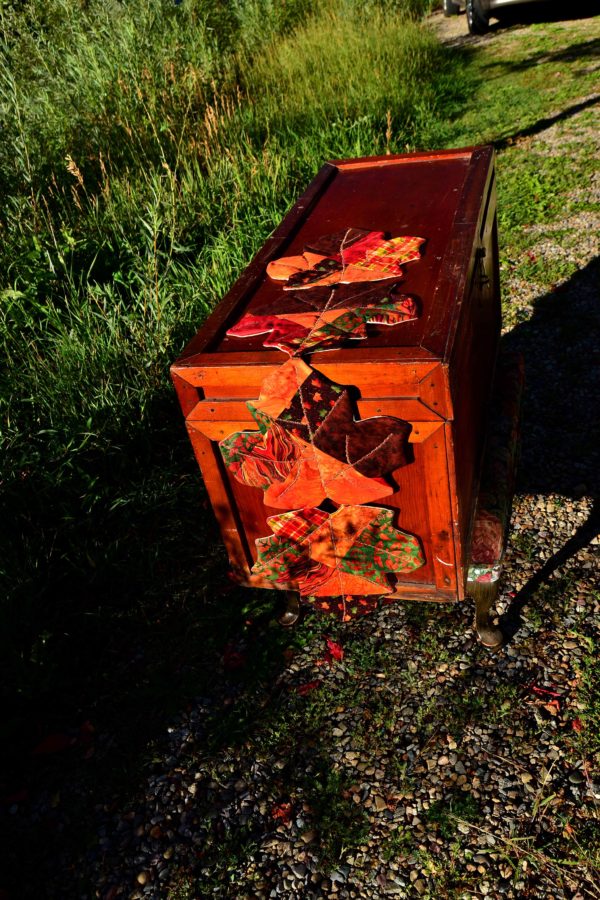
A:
x,y
561,415
543,124
579,51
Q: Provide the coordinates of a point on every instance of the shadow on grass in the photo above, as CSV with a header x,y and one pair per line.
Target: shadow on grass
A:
x,y
119,615
561,415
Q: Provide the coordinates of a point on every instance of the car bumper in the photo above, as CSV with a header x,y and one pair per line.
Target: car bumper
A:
x,y
489,5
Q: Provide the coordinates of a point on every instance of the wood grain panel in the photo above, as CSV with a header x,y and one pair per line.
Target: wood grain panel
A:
x,y
229,518
374,379
187,394
237,410
219,429
472,367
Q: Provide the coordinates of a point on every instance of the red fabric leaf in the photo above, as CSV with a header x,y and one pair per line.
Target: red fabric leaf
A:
x,y
54,743
351,255
577,725
282,812
16,797
323,329
304,689
331,556
541,691
86,732
311,448
233,658
334,650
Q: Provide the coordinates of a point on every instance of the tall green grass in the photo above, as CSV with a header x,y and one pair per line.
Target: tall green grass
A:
x,y
150,147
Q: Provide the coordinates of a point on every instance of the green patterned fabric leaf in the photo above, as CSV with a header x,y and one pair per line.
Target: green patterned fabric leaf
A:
x,y
345,554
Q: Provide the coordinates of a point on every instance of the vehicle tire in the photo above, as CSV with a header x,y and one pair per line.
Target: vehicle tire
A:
x,y
477,19
451,8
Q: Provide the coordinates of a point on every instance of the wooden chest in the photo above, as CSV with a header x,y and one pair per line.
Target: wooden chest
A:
x,y
434,370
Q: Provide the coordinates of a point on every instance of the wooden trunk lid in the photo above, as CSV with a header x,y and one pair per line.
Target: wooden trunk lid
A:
x,y
436,196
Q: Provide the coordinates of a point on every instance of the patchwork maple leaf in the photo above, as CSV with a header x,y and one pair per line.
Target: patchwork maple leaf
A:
x,y
326,325
344,257
309,446
338,557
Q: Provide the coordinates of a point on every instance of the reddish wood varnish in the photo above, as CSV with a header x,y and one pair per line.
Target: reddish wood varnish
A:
x,y
435,372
